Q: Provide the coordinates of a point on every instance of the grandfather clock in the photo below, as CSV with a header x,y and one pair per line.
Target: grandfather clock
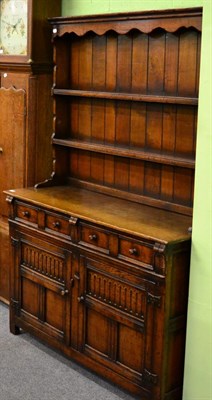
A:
x,y
25,104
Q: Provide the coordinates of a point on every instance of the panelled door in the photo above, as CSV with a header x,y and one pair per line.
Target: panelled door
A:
x,y
118,320
42,285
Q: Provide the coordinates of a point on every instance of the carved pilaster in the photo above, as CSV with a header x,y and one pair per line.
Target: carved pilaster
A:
x,y
14,242
154,300
9,200
73,220
73,231
159,258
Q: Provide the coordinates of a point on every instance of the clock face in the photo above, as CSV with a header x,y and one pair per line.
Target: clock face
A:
x,y
13,27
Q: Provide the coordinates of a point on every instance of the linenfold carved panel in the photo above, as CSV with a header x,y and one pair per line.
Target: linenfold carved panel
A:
x,y
116,293
43,262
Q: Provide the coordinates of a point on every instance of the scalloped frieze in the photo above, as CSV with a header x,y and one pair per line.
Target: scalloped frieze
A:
x,y
170,21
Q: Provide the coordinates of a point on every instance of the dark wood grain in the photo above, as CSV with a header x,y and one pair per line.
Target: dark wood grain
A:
x,y
130,99
101,249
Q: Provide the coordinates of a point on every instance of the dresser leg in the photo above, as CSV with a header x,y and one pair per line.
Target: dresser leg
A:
x,y
14,310
14,329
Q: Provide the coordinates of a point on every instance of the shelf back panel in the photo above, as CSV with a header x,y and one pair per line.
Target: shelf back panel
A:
x,y
129,85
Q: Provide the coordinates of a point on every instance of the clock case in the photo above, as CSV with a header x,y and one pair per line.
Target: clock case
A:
x,y
38,35
13,27
25,118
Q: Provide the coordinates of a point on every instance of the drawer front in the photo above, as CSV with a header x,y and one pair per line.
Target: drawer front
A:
x,y
27,213
93,237
137,252
57,223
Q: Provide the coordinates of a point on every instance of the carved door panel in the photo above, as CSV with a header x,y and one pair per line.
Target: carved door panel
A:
x,y
41,284
117,322
12,141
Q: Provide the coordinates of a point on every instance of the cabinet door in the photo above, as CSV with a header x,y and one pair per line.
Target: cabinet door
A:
x,y
40,284
12,139
118,320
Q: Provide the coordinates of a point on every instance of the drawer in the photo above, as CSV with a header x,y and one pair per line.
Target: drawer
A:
x,y
96,238
136,251
57,223
27,213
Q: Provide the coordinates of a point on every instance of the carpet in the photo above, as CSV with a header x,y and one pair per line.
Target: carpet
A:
x,y
29,370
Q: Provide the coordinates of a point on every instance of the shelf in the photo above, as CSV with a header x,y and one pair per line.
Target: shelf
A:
x,y
151,156
148,98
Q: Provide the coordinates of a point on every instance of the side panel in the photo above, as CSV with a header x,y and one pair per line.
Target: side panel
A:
x,y
12,141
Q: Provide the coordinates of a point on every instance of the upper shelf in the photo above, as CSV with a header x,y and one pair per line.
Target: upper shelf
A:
x,y
129,152
148,98
169,20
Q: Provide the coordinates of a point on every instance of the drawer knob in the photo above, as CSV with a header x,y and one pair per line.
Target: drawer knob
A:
x,y
81,299
64,292
93,237
56,224
26,214
133,251
1,150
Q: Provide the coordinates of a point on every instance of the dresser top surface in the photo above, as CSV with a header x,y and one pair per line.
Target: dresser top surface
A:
x,y
131,218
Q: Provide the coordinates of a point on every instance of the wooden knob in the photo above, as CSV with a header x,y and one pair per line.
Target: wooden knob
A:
x,y
56,224
93,237
133,252
26,214
1,150
64,292
81,299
